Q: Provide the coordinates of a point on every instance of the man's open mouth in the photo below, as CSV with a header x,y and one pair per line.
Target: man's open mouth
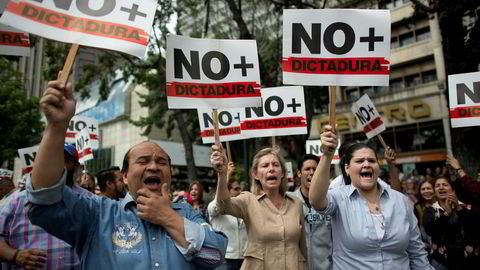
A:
x,y
153,183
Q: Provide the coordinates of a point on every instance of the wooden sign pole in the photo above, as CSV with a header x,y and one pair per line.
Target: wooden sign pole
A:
x,y
67,67
229,153
215,127
379,136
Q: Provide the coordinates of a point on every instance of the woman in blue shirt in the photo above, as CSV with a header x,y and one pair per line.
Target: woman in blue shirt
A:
x,y
373,226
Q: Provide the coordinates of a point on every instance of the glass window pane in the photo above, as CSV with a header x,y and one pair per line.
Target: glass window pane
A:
x,y
394,43
396,84
352,95
429,76
423,33
405,138
431,135
406,39
413,80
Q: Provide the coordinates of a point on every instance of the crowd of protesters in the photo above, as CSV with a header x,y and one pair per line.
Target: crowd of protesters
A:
x,y
66,218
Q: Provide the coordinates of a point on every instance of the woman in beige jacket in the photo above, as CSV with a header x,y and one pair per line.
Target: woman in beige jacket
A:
x,y
274,220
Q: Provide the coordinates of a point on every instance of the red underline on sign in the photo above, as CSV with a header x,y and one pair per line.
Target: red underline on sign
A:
x,y
78,24
14,39
85,152
373,125
465,112
72,135
220,90
351,66
283,122
223,132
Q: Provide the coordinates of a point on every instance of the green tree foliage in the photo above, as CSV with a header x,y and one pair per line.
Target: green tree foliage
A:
x,y
20,125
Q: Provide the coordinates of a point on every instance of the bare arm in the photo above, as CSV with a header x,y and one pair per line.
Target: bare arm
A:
x,y
58,105
321,177
219,162
393,169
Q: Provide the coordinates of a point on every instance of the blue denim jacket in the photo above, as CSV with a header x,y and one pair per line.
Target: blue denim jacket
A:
x,y
108,234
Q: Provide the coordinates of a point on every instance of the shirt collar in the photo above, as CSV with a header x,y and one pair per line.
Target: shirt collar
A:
x,y
128,200
351,189
263,194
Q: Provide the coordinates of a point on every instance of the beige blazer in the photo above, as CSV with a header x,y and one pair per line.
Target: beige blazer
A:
x,y
276,237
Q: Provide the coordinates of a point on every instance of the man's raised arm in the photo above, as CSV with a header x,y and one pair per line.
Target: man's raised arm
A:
x,y
58,105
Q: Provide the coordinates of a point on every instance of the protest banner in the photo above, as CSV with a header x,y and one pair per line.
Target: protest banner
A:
x,y
464,96
368,116
84,148
282,113
5,174
110,24
229,125
77,123
13,42
314,147
342,47
212,73
27,157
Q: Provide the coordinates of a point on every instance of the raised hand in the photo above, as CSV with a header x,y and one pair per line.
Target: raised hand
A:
x,y
329,140
390,155
219,159
31,258
57,103
452,161
153,207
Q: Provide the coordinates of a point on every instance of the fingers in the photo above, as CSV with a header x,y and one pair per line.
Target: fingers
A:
x,y
145,192
39,252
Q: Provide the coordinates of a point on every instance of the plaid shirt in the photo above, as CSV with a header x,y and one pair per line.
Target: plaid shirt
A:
x,y
19,233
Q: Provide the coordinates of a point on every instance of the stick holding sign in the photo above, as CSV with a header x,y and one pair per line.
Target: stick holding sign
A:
x,y
229,153
67,67
332,105
215,127
380,138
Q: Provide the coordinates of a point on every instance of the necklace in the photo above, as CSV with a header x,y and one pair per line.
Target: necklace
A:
x,y
379,216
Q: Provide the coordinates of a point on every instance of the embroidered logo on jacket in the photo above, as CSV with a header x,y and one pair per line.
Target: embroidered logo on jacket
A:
x,y
126,236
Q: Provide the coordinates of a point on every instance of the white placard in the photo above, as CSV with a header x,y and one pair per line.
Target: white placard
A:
x,y
212,73
111,24
368,116
5,174
83,145
77,123
228,124
282,113
289,167
313,147
464,95
13,41
348,47
27,157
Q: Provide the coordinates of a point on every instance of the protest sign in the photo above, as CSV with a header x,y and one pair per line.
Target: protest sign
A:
x,y
13,42
282,113
347,47
368,116
84,148
212,73
314,147
77,123
289,167
464,95
5,174
229,125
110,24
27,157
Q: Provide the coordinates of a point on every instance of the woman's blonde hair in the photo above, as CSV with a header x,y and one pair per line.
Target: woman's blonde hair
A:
x,y
256,187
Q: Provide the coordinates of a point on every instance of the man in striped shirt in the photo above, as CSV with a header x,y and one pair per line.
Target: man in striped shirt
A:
x,y
24,245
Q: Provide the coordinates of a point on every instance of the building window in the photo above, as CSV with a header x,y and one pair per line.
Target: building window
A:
x,y
429,76
412,80
391,4
410,37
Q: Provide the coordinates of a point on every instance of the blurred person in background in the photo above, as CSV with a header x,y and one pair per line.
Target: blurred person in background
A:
x,y
233,227
196,192
87,181
110,182
426,198
449,222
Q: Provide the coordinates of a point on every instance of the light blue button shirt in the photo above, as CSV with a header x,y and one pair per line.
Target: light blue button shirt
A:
x,y
108,234
355,241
